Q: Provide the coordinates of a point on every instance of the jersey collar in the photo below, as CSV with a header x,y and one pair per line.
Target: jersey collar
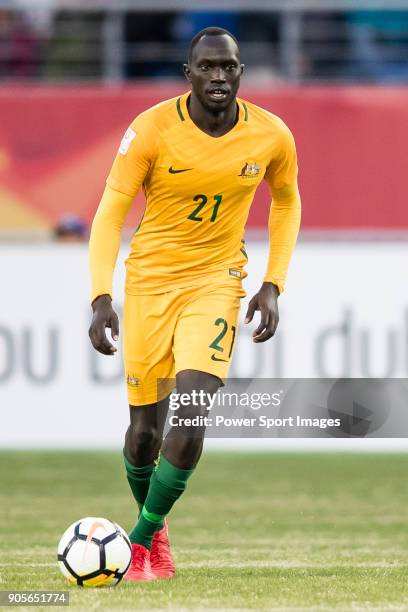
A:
x,y
183,115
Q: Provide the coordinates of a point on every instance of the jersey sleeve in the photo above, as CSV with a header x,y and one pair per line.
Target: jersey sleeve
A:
x,y
135,157
284,217
282,170
105,238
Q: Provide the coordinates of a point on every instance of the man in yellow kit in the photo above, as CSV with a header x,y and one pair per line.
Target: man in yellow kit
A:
x,y
200,158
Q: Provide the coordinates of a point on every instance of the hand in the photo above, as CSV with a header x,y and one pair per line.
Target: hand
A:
x,y
103,316
266,300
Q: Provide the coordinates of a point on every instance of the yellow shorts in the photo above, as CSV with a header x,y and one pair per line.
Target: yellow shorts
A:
x,y
184,329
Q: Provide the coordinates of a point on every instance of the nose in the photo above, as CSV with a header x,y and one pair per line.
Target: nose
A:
x,y
218,75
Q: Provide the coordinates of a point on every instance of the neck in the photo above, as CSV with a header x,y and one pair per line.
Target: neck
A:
x,y
215,124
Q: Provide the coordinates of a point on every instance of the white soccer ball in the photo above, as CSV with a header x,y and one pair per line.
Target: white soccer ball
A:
x,y
94,552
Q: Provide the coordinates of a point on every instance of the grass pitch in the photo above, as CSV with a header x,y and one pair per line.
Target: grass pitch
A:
x,y
254,531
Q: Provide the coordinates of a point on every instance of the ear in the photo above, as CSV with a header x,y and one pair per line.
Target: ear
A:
x,y
242,68
187,72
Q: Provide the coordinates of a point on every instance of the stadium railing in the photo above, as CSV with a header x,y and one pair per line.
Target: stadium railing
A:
x,y
292,41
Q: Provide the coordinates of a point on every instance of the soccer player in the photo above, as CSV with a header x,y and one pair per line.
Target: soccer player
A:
x,y
200,158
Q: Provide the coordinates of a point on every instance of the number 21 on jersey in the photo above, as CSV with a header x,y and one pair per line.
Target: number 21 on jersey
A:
x,y
203,200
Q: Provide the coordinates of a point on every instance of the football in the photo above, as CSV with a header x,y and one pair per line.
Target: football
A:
x,y
94,552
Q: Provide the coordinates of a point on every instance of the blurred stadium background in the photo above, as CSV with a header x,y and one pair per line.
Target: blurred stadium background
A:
x,y
73,76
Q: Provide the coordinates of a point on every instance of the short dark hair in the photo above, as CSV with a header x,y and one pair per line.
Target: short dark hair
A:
x,y
211,31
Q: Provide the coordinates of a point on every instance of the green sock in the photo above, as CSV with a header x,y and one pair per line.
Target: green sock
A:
x,y
139,481
166,485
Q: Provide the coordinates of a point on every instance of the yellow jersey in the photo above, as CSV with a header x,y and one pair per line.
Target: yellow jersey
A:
x,y
199,190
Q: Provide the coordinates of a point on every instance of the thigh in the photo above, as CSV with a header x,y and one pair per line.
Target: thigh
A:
x,y
206,330
148,328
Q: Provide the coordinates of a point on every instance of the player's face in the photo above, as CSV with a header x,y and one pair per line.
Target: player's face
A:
x,y
215,71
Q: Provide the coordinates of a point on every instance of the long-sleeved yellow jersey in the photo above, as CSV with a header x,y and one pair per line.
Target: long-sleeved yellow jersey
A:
x,y
199,190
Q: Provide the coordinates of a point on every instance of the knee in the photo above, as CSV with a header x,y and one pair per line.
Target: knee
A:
x,y
188,380
182,451
141,444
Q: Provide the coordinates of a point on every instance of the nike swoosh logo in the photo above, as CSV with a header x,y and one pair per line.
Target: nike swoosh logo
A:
x,y
174,171
92,530
214,358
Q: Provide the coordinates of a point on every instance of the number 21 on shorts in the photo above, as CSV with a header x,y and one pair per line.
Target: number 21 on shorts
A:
x,y
215,344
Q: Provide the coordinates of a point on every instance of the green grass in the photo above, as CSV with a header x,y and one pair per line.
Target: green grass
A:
x,y
256,531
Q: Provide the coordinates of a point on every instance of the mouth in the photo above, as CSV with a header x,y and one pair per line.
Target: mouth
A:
x,y
218,94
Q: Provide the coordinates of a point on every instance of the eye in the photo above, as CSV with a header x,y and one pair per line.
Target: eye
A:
x,y
231,67
204,67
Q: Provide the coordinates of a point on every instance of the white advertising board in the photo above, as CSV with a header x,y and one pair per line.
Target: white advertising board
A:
x,y
344,313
